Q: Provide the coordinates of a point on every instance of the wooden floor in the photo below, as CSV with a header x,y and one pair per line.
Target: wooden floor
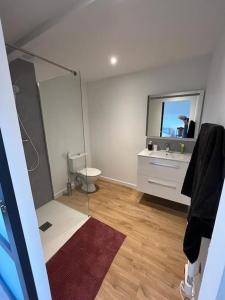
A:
x,y
79,201
150,263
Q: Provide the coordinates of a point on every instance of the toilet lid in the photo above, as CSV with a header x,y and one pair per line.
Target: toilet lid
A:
x,y
90,172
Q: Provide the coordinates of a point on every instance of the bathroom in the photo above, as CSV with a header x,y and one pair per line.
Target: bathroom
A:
x,y
57,119
107,137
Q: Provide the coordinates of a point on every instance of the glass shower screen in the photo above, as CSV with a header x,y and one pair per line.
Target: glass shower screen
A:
x,y
49,105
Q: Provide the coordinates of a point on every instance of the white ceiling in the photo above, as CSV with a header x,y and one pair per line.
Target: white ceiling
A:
x,y
142,33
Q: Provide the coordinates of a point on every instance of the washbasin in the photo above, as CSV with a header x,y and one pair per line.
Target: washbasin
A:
x,y
166,155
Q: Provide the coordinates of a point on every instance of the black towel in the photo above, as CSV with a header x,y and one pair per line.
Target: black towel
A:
x,y
203,183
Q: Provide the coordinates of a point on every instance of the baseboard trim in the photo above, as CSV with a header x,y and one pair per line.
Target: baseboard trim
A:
x,y
120,182
104,178
61,192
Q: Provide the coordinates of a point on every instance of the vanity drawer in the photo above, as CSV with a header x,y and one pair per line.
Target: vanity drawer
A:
x,y
158,187
162,168
167,189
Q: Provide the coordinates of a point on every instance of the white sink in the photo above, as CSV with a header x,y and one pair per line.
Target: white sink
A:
x,y
166,155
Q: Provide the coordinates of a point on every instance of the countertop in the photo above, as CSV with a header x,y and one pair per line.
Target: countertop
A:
x,y
162,154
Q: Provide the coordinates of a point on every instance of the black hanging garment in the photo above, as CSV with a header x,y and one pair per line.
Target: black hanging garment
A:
x,y
191,130
203,184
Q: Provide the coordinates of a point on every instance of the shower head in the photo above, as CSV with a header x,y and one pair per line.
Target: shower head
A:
x,y
16,89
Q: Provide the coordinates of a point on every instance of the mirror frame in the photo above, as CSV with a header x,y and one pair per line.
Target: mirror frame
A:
x,y
200,93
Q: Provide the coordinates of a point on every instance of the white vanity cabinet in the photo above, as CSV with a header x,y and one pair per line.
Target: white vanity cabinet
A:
x,y
162,174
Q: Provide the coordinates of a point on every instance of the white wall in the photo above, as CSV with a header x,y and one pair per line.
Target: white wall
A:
x,y
213,282
214,111
18,169
45,71
62,116
117,112
214,108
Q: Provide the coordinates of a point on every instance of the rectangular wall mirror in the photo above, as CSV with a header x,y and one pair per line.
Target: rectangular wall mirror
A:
x,y
176,115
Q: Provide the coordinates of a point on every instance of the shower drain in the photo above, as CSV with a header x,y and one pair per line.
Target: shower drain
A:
x,y
45,226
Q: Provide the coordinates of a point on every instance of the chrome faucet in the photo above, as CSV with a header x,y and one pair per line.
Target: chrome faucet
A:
x,y
167,147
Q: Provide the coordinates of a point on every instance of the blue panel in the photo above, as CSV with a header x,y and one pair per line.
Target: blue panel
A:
x,y
2,227
3,294
3,231
9,274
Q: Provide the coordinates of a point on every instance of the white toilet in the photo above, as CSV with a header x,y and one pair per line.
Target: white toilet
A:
x,y
88,176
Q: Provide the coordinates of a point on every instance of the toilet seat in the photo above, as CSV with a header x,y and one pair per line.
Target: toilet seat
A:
x,y
90,172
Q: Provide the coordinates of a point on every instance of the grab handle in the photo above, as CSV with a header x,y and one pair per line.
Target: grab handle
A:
x,y
164,165
169,185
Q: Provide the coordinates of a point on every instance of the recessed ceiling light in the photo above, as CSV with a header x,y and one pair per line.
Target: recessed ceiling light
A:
x,y
113,60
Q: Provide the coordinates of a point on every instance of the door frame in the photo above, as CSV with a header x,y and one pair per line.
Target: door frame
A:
x,y
215,264
16,246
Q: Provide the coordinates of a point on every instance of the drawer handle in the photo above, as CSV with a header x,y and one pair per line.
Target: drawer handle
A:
x,y
169,185
164,165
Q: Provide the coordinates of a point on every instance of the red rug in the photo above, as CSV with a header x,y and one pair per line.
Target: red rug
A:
x,y
77,270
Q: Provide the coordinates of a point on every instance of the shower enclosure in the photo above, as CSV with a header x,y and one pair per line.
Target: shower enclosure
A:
x,y
50,111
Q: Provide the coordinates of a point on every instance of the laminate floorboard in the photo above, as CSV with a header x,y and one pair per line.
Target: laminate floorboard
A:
x,y
150,263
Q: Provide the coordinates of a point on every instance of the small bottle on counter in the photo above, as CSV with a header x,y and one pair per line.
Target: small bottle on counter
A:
x,y
182,147
150,146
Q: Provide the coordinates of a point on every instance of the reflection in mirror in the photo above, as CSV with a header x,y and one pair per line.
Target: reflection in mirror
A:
x,y
174,115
